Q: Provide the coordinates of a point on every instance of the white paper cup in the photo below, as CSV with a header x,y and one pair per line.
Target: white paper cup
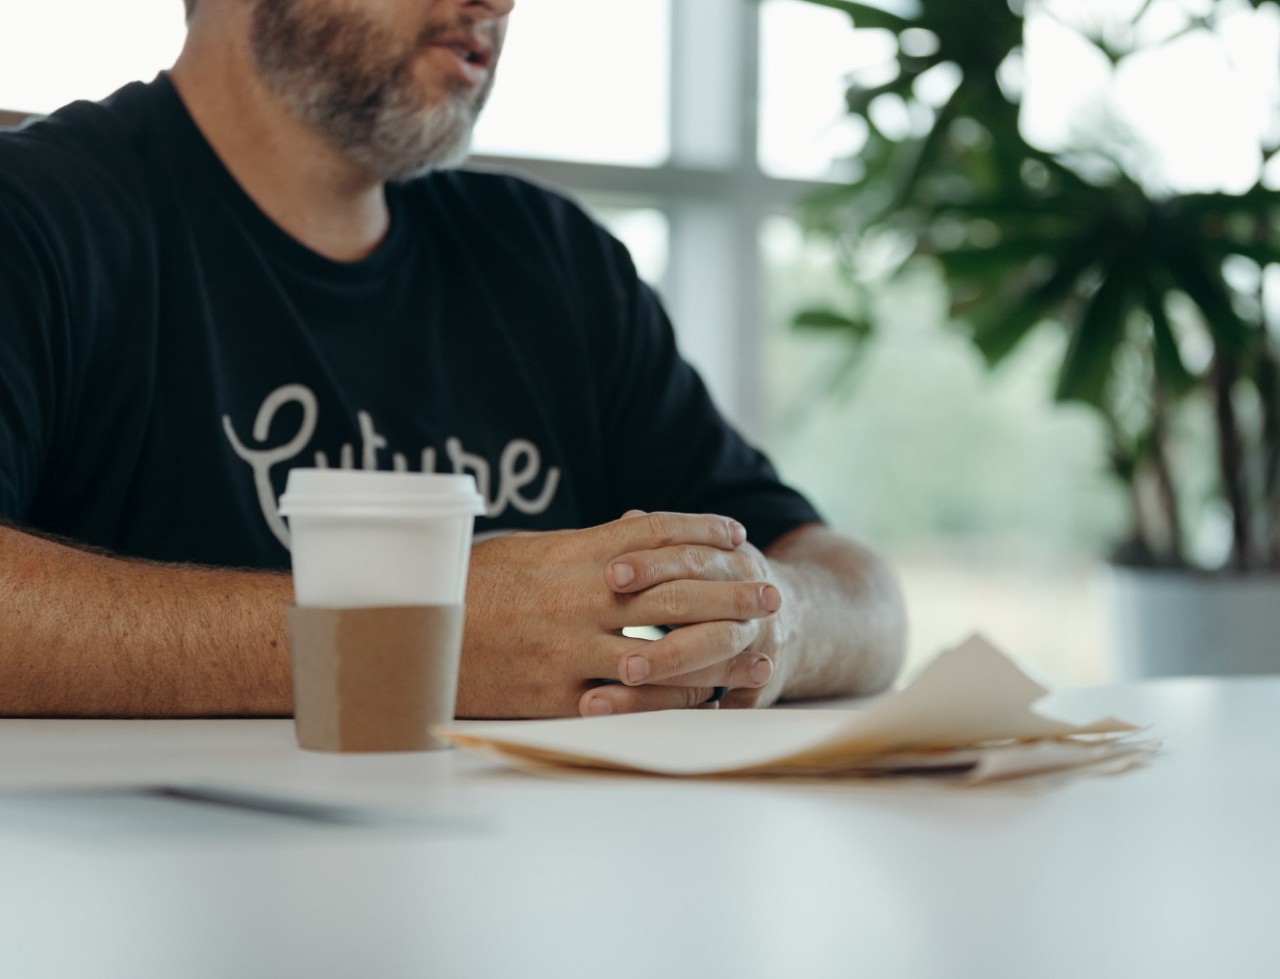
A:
x,y
380,574
364,539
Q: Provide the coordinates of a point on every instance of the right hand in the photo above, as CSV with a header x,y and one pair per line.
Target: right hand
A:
x,y
543,627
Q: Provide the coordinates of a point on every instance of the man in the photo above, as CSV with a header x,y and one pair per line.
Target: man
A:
x,y
259,261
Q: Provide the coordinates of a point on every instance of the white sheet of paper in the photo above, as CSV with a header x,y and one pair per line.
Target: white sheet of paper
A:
x,y
965,697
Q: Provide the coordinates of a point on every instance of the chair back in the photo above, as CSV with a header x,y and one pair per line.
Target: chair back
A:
x,y
10,119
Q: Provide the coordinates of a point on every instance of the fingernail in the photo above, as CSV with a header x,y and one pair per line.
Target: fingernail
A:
x,y
761,671
623,574
770,598
597,707
635,669
737,533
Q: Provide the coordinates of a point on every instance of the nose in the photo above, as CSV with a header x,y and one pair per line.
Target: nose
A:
x,y
497,8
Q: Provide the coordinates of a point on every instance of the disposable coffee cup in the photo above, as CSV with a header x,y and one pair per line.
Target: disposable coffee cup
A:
x,y
380,571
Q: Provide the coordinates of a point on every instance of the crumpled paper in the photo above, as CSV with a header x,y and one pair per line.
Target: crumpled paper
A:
x,y
967,717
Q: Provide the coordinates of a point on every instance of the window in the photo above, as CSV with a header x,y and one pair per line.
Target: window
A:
x,y
550,101
992,502
690,128
59,50
989,499
687,160
644,231
806,54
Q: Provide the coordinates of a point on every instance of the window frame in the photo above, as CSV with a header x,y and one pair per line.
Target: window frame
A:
x,y
713,193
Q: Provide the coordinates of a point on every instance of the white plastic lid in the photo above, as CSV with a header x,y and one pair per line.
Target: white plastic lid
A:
x,y
310,491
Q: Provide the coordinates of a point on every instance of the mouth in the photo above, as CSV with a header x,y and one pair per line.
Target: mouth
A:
x,y
472,52
472,57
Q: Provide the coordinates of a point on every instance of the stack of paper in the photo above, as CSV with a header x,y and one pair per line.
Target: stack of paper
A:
x,y
966,717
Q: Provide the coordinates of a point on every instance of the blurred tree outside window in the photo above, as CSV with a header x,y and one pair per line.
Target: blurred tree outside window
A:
x,y
993,501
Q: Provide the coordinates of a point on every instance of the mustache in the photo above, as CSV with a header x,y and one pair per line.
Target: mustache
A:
x,y
488,31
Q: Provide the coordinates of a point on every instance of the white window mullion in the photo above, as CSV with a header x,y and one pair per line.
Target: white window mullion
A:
x,y
711,287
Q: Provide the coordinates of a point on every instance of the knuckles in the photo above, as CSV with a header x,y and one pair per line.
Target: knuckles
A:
x,y
702,646
669,529
661,529
746,600
634,700
696,561
754,566
743,634
694,696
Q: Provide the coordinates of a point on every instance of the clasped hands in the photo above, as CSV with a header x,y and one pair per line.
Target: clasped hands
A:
x,y
545,613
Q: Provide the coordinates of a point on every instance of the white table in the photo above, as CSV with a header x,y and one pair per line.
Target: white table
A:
x,y
1170,871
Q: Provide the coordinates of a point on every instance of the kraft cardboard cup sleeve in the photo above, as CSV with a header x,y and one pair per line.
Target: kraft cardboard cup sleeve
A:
x,y
374,679
380,569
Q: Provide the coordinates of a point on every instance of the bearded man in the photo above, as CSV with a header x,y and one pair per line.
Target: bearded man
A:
x,y
264,259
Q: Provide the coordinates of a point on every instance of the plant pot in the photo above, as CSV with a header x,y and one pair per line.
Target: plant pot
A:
x,y
1191,623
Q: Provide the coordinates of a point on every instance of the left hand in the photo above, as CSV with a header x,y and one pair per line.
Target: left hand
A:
x,y
639,571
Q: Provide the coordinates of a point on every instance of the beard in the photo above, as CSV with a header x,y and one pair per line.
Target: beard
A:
x,y
352,80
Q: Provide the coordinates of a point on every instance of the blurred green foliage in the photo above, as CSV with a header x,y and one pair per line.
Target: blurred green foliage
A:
x,y
1029,242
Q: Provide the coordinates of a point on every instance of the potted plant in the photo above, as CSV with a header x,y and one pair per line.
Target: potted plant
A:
x,y
1160,296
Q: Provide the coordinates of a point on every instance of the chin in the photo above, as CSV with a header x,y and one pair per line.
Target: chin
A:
x,y
438,155
404,145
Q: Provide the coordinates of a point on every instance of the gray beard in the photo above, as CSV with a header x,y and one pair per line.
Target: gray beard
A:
x,y
348,80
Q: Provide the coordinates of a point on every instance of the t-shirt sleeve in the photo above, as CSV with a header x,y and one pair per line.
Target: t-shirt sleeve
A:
x,y
670,447
27,360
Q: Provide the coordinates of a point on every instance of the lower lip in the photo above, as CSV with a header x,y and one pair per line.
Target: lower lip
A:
x,y
460,68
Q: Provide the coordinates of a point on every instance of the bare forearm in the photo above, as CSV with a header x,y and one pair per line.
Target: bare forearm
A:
x,y
82,634
844,630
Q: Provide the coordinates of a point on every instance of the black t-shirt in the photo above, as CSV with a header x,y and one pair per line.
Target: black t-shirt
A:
x,y
167,353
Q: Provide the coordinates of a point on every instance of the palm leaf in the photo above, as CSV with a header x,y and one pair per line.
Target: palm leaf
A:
x,y
1087,367
1211,294
1171,371
925,154
985,264
829,319
864,15
1017,215
999,327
